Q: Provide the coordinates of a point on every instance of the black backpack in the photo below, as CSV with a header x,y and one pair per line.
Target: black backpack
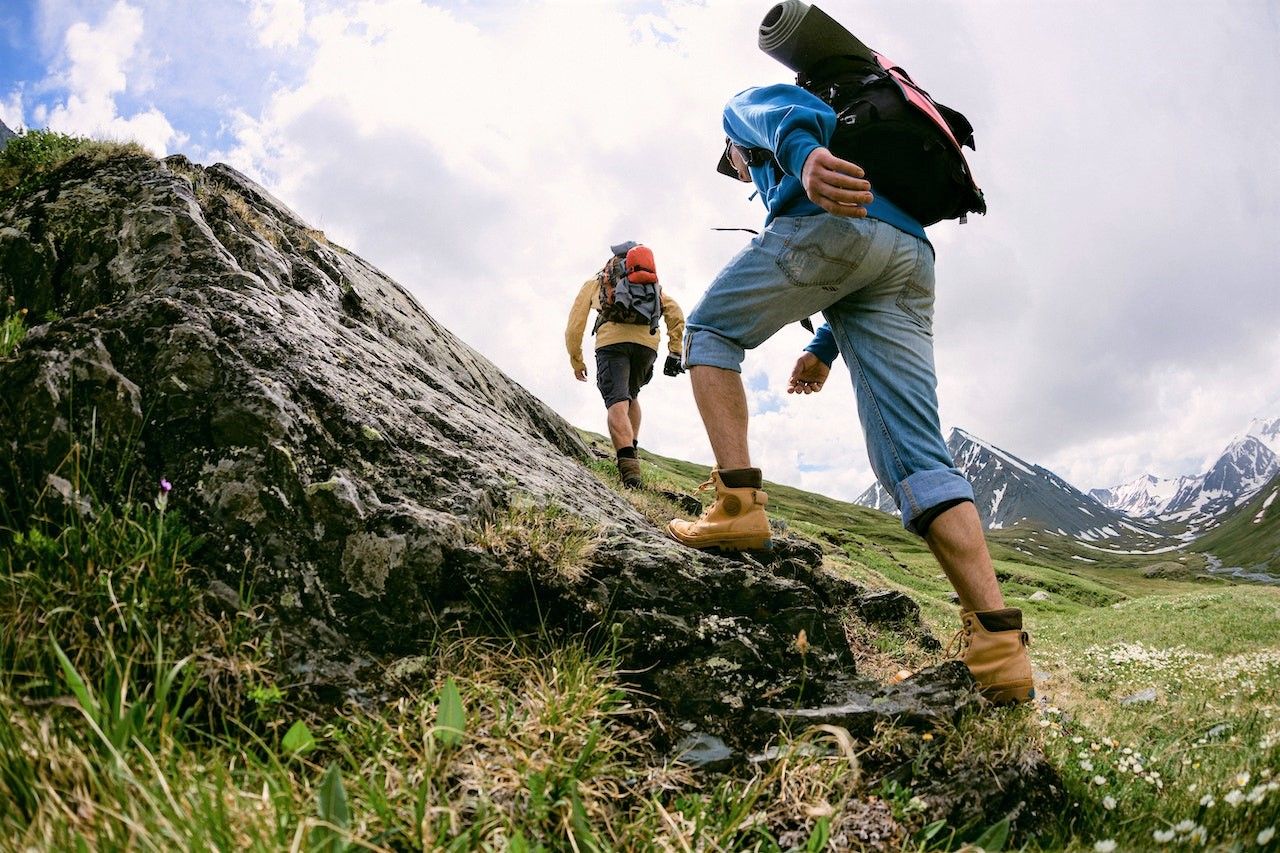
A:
x,y
908,144
629,289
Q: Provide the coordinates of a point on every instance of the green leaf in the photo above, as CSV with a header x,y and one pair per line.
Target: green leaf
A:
x,y
451,719
298,740
83,694
994,838
932,829
581,826
821,834
333,810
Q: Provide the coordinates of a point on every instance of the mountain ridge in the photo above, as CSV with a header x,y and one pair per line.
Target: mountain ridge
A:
x,y
1146,515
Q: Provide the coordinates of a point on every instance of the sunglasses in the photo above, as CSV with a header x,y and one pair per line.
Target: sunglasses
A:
x,y
735,161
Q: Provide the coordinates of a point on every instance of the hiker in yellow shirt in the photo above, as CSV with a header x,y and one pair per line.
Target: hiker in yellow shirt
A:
x,y
629,303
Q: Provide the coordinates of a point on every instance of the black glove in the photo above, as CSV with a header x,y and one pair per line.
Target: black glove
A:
x,y
673,367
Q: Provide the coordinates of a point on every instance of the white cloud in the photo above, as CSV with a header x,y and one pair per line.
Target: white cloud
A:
x,y
280,23
96,65
11,110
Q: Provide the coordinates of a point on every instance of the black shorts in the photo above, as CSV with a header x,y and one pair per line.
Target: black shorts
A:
x,y
622,370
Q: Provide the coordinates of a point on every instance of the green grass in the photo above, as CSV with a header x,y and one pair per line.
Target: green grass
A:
x,y
135,716
31,156
13,329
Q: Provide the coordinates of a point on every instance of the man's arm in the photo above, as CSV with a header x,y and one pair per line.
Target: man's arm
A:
x,y
576,327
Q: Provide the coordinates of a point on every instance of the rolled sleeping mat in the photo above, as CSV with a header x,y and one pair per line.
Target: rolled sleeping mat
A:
x,y
800,36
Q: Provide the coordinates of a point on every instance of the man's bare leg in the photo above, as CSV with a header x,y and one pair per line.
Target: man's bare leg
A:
x,y
633,414
955,538
722,402
619,421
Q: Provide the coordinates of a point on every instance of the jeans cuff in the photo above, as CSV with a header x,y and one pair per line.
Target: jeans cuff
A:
x,y
924,490
705,347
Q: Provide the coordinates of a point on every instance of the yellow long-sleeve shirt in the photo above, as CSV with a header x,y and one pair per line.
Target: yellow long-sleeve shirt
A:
x,y
617,333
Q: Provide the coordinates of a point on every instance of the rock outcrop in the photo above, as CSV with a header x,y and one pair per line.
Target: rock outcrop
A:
x,y
357,462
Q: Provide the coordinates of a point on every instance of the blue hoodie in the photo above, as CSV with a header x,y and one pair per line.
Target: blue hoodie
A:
x,y
791,123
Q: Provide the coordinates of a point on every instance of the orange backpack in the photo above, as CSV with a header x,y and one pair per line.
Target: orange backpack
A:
x,y
629,289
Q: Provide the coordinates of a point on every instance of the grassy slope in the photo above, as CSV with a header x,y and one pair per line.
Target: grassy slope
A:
x,y
1210,650
1250,536
155,723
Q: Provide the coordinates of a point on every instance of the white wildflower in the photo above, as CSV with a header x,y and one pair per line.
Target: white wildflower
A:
x,y
1241,780
1105,846
1207,801
1099,780
1234,797
1086,766
1257,794
1199,835
1185,826
1164,836
1108,802
1266,835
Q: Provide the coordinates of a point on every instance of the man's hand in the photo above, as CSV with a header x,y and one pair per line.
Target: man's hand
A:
x,y
673,367
580,374
837,186
809,375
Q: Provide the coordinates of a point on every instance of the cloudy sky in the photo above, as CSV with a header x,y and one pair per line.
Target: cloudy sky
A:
x,y
1116,312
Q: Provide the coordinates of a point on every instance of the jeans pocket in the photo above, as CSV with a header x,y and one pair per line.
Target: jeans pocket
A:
x,y
917,294
824,250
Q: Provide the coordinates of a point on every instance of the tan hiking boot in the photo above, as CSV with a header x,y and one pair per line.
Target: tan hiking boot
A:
x,y
629,471
994,647
735,521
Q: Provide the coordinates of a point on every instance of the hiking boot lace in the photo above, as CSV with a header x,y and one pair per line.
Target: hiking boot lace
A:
x,y
962,639
709,484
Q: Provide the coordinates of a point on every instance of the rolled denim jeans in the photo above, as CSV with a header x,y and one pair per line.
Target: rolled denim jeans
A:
x,y
874,284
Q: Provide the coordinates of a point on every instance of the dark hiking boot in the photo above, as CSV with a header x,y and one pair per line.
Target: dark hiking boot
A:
x,y
629,471
994,647
735,521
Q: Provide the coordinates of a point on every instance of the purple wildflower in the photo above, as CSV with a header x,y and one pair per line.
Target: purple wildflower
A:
x,y
165,486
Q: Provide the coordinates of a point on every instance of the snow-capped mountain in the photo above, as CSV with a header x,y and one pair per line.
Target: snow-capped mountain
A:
x,y
1147,495
1009,490
1196,501
1243,468
1266,430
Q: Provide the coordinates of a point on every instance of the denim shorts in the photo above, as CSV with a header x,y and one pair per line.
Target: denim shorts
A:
x,y
874,284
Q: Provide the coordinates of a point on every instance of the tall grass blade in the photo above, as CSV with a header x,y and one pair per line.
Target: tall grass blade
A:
x,y
451,719
330,837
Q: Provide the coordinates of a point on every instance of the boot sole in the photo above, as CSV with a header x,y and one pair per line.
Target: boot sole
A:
x,y
725,543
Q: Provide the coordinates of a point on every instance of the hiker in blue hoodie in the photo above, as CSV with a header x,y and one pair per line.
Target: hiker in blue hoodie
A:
x,y
831,245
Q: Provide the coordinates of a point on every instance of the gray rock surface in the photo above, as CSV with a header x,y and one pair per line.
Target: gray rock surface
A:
x,y
351,460
5,135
